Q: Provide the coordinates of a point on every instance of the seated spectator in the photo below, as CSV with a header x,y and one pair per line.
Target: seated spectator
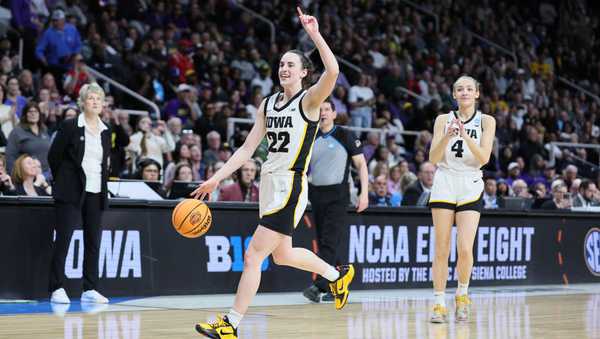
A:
x,y
183,174
380,196
263,80
370,146
574,188
570,174
173,132
8,117
119,141
26,84
211,154
587,195
338,98
24,175
417,194
419,158
560,197
252,107
361,99
382,154
540,194
394,180
245,188
13,96
381,168
29,137
503,190
145,144
225,152
77,76
50,110
490,199
6,185
210,171
40,179
520,189
406,180
149,171
549,175
197,163
514,173
3,142
184,106
181,155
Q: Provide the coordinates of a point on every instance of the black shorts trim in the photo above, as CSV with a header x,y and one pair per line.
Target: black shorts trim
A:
x,y
282,221
444,205
476,205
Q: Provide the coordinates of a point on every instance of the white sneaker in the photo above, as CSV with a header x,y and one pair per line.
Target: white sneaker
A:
x,y
92,296
60,297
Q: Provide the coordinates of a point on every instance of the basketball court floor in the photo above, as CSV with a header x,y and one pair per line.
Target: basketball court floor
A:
x,y
551,311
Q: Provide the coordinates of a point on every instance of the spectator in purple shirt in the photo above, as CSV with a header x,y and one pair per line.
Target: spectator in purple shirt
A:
x,y
182,106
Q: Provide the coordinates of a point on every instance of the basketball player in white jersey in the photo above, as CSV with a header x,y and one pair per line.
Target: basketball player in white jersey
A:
x,y
461,145
289,120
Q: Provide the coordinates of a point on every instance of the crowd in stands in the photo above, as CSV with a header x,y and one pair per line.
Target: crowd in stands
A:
x,y
203,62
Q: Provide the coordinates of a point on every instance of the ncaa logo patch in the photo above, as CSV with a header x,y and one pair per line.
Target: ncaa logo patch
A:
x,y
591,251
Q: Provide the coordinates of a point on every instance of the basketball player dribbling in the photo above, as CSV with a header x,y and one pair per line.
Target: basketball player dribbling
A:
x,y
462,144
289,119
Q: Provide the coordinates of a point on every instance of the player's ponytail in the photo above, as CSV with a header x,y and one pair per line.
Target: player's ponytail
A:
x,y
306,64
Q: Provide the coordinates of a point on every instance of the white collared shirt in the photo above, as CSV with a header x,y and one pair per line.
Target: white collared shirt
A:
x,y
92,157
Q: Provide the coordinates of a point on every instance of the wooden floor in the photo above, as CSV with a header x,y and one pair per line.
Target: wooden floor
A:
x,y
510,313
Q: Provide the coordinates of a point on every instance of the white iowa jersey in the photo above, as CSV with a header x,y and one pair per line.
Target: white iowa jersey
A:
x,y
458,155
290,135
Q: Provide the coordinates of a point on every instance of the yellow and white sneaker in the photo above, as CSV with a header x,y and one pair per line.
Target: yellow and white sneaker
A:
x,y
220,329
463,307
439,315
341,287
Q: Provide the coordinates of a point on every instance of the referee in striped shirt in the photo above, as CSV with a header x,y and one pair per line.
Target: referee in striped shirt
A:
x,y
329,189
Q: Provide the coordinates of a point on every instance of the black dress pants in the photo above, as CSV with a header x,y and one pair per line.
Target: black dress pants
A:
x,y
329,208
68,217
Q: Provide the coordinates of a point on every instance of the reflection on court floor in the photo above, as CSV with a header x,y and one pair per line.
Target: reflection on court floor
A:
x,y
514,312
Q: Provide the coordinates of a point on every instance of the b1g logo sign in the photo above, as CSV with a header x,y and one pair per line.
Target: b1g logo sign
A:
x,y
226,253
591,251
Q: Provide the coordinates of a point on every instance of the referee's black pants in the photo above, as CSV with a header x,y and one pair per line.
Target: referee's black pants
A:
x,y
68,217
329,206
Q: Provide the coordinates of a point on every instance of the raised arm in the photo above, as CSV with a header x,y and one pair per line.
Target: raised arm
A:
x,y
317,93
238,158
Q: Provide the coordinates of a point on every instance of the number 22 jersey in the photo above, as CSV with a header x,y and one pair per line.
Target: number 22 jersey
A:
x,y
290,135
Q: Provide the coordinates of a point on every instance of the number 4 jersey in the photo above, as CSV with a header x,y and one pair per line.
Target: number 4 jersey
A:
x,y
458,156
290,135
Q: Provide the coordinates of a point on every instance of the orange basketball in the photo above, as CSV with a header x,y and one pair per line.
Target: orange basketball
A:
x,y
191,218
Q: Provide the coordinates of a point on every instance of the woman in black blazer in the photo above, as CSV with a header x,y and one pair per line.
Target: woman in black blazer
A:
x,y
78,158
